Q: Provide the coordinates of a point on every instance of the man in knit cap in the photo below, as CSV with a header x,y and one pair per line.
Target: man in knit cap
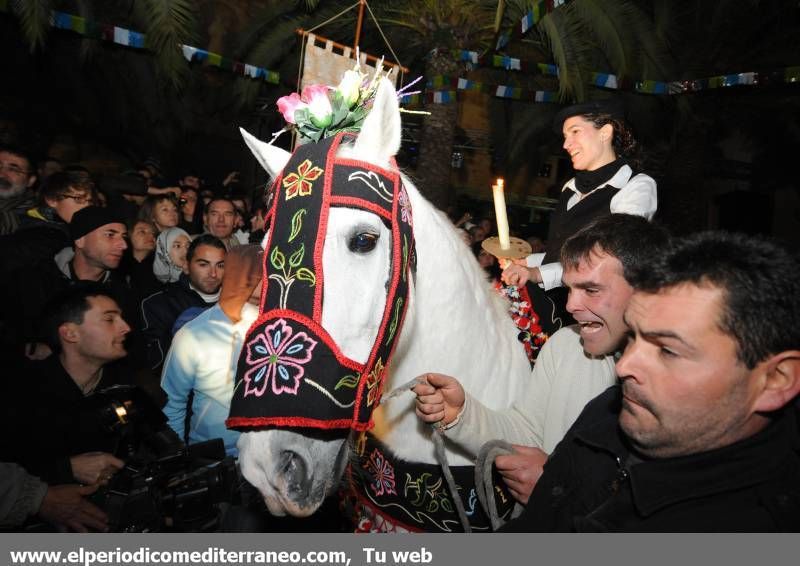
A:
x,y
99,240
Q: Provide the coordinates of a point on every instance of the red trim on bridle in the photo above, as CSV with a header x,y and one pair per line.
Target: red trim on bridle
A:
x,y
287,352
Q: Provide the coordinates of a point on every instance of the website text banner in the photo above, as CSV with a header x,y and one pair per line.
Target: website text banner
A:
x,y
377,550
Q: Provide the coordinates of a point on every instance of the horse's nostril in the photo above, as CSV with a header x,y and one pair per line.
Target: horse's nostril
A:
x,y
294,471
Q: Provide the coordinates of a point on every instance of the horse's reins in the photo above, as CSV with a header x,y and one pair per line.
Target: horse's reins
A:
x,y
483,479
441,454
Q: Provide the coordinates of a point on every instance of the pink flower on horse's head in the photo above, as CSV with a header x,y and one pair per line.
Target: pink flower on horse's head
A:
x,y
288,105
319,105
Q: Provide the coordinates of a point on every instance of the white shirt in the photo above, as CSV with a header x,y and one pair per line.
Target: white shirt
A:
x,y
563,380
636,195
203,358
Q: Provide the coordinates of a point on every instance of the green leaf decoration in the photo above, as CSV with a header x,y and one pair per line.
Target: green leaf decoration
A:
x,y
297,223
297,257
340,110
302,116
349,381
446,505
277,259
395,319
305,274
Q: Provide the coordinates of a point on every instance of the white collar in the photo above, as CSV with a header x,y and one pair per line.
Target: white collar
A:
x,y
619,180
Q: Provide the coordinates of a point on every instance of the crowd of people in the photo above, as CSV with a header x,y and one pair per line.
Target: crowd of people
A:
x,y
100,277
665,399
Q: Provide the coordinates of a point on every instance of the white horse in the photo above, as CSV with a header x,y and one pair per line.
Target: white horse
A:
x,y
455,324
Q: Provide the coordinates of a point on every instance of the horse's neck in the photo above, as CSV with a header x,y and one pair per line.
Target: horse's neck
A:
x,y
455,325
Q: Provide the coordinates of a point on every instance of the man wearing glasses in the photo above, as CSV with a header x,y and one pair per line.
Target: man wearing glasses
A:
x,y
17,175
43,230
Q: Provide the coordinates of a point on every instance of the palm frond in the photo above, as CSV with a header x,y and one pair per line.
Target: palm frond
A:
x,y
168,24
565,37
655,59
605,21
309,5
34,18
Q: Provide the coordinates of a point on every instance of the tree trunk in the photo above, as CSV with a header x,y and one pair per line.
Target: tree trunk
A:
x,y
438,132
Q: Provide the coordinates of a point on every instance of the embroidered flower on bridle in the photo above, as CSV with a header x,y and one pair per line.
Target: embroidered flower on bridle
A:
x,y
277,357
405,207
299,184
374,382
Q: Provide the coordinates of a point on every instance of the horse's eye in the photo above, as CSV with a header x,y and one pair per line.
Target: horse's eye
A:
x,y
363,242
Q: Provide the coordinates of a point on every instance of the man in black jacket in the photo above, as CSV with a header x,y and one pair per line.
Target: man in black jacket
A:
x,y
197,289
56,437
98,241
702,434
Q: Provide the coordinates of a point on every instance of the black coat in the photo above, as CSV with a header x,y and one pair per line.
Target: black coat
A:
x,y
159,313
53,420
590,485
28,292
33,245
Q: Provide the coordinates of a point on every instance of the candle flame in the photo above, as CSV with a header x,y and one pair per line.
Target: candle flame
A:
x,y
500,182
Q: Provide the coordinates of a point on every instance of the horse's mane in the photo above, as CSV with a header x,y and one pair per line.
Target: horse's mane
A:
x,y
456,325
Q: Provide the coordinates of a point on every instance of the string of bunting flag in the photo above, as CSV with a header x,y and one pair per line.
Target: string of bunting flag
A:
x,y
439,94
135,39
751,78
504,62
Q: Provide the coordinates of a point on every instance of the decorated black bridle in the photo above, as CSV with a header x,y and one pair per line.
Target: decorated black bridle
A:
x,y
284,375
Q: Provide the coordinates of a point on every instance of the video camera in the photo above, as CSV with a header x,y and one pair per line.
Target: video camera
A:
x,y
165,485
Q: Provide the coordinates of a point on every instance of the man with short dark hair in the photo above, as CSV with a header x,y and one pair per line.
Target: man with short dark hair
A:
x,y
196,290
17,176
220,221
201,362
55,440
99,239
702,435
575,365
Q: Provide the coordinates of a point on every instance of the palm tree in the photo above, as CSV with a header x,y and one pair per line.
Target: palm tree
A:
x,y
167,23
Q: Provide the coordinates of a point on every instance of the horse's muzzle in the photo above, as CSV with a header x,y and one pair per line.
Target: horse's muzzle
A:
x,y
297,480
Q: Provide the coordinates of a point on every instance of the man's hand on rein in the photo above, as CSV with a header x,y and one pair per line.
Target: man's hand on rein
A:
x,y
440,398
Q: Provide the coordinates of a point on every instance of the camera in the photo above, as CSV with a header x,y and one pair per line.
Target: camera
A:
x,y
165,485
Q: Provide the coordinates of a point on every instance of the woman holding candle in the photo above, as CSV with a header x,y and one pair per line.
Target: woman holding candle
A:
x,y
598,142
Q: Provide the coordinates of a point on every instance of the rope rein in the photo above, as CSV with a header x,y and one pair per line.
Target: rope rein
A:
x,y
483,479
441,456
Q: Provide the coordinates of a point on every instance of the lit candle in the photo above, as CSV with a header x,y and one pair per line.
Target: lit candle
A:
x,y
500,214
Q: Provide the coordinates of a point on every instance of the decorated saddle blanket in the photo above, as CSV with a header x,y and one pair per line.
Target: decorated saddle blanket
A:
x,y
386,494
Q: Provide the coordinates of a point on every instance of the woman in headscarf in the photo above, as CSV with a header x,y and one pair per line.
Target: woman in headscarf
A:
x,y
170,260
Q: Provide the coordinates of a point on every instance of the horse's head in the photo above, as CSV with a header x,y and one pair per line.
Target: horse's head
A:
x,y
332,354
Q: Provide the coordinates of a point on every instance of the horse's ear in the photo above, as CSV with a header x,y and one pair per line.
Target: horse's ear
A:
x,y
380,135
273,159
